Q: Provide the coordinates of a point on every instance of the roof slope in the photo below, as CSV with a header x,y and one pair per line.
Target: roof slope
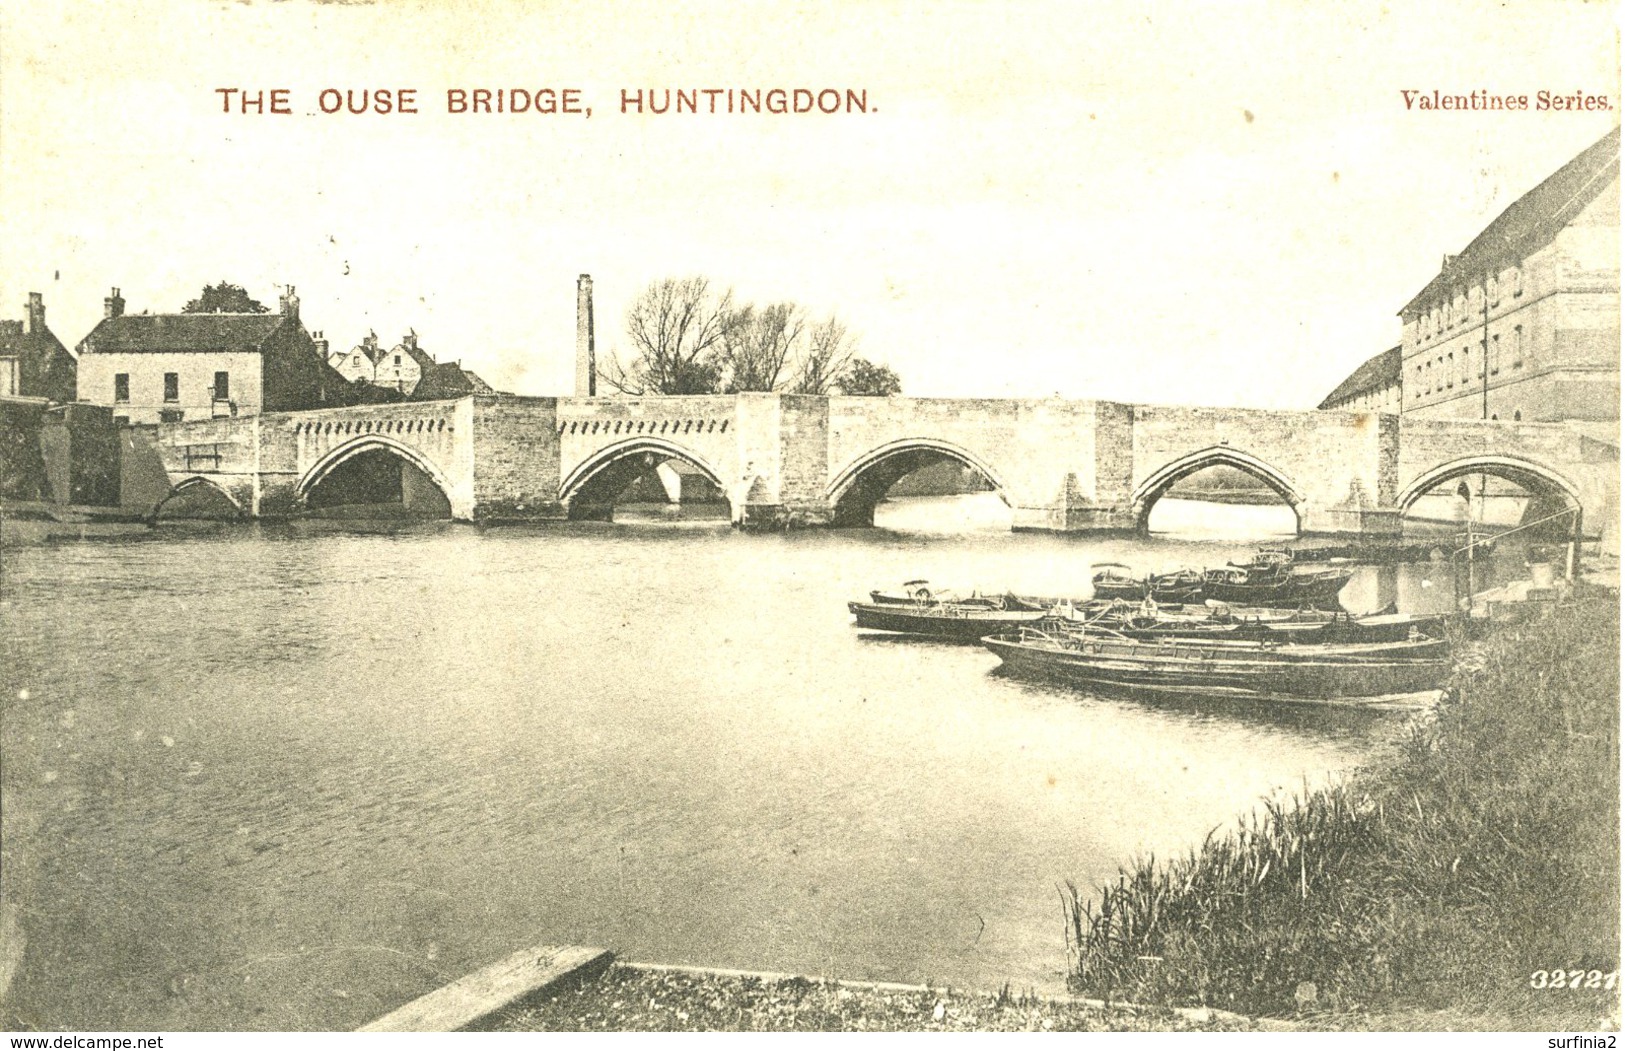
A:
x,y
169,333
1532,220
1379,371
448,380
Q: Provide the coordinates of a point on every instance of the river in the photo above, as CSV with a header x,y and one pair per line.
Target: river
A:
x,y
291,776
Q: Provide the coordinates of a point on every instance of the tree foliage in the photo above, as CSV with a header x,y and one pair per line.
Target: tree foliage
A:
x,y
688,338
225,298
865,377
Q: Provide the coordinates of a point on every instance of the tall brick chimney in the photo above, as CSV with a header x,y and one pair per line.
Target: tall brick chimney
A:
x,y
290,304
320,342
36,312
113,305
586,354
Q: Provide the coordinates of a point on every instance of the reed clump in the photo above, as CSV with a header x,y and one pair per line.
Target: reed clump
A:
x,y
1453,875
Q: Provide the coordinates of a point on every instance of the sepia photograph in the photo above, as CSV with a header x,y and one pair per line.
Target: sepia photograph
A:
x,y
551,517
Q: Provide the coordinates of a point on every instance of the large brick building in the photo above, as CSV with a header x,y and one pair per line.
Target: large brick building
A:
x,y
153,368
1522,323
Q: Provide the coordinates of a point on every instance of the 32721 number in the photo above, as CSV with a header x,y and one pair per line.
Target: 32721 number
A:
x,y
1559,978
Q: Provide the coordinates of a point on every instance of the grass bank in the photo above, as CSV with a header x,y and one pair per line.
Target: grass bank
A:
x,y
632,998
1454,876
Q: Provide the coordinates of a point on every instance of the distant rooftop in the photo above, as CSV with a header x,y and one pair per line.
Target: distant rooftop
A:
x,y
1531,221
1380,371
159,333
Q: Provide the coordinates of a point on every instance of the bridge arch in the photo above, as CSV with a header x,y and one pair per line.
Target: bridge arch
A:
x,y
861,484
590,490
1541,482
339,455
1156,484
195,484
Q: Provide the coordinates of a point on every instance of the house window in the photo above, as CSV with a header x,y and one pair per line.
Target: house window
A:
x,y
397,361
1495,354
170,415
1517,347
1495,290
1517,281
1517,415
172,386
121,386
222,386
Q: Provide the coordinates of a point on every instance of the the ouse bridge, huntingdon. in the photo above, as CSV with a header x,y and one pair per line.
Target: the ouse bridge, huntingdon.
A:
x,y
784,460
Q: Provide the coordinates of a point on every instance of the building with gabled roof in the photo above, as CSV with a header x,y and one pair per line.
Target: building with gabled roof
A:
x,y
1523,323
360,362
406,370
153,368
33,362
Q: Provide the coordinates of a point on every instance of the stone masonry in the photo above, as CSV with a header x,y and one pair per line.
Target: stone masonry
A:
x,y
785,460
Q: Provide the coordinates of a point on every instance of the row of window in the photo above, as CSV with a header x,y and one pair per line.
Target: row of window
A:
x,y
1429,382
172,386
1467,306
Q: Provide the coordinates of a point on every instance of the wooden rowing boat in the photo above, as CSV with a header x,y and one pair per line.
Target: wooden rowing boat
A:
x,y
1259,670
946,620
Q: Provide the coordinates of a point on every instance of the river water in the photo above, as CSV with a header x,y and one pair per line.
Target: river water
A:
x,y
289,777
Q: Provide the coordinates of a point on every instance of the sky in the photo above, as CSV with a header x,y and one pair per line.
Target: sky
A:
x,y
1220,204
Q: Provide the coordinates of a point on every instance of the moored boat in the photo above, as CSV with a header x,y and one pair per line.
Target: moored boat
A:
x,y
1276,585
921,593
1259,670
1302,626
946,620
1113,580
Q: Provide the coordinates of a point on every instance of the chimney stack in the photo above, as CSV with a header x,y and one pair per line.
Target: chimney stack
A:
x,y
36,312
586,355
290,304
113,305
321,344
410,340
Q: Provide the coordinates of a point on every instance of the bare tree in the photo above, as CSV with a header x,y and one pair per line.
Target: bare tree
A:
x,y
677,327
687,339
758,344
828,349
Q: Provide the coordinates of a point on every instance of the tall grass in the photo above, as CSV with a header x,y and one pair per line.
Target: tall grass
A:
x,y
1483,850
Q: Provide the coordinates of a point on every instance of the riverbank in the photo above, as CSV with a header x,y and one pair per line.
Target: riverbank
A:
x,y
1456,876
643,999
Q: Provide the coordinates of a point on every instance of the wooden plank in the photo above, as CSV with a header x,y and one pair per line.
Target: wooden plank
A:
x,y
489,990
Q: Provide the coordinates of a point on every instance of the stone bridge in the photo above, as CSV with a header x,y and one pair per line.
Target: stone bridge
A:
x,y
785,460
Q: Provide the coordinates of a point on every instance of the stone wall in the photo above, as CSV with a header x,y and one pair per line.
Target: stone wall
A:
x,y
22,462
516,458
